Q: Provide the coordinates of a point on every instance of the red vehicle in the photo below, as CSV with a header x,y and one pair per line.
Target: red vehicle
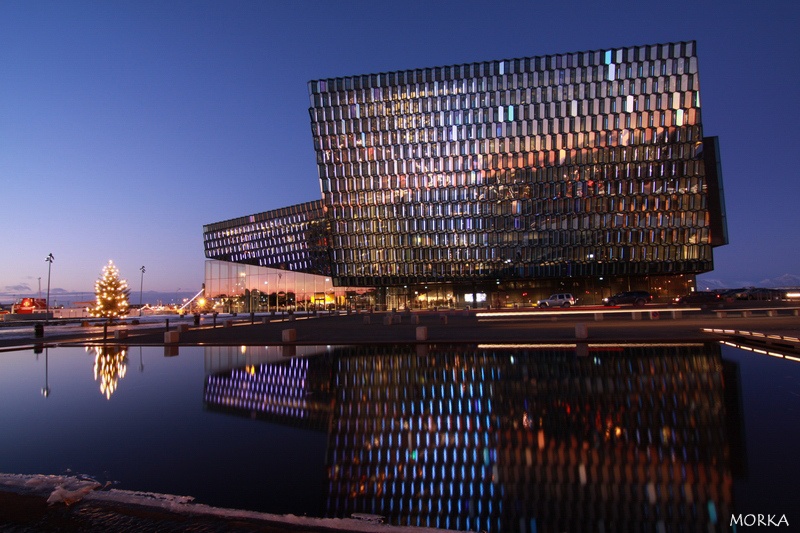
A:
x,y
28,306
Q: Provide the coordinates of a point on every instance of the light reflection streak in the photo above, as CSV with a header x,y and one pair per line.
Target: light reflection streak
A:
x,y
110,366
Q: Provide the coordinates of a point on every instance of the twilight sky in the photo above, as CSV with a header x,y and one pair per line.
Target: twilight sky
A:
x,y
125,126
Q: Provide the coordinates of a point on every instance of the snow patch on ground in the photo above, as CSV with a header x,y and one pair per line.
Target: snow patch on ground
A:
x,y
70,489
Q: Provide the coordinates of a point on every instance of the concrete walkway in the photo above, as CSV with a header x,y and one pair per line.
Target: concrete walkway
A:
x,y
440,327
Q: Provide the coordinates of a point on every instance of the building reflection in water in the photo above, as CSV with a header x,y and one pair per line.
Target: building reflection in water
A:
x,y
110,366
260,382
508,439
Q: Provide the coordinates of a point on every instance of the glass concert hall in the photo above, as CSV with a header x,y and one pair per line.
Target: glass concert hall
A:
x,y
493,184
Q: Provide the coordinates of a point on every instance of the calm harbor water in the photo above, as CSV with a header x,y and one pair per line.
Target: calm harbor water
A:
x,y
464,437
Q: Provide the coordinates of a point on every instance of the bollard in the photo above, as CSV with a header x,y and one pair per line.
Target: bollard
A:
x,y
167,325
422,333
228,324
38,331
289,351
581,331
443,319
366,319
121,334
387,320
171,337
582,349
415,319
196,319
180,328
288,335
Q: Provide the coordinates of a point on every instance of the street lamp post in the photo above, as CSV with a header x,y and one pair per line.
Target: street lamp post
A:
x,y
141,285
49,260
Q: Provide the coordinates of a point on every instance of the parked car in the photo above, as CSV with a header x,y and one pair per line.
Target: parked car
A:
x,y
699,298
735,294
634,298
764,294
753,293
563,299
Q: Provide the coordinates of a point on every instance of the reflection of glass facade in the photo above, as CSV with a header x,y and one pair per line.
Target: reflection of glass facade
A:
x,y
293,391
576,164
459,437
628,439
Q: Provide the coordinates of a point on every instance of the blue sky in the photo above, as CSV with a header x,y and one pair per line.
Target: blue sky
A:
x,y
127,126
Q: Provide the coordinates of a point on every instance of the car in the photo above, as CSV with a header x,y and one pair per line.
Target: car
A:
x,y
699,297
735,294
634,298
764,294
562,299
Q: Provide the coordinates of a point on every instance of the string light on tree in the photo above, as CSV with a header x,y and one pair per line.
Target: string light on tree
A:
x,y
111,294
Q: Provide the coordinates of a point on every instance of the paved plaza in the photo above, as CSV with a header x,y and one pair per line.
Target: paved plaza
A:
x,y
596,325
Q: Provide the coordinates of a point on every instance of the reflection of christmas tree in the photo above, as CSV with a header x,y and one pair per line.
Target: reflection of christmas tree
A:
x,y
110,364
111,293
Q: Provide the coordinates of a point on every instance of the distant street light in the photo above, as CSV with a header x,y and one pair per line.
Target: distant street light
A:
x,y
49,260
141,285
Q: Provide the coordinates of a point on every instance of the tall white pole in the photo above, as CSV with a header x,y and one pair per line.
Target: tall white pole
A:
x,y
141,285
49,260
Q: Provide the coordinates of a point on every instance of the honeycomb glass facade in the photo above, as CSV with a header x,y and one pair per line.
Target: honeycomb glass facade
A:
x,y
576,165
291,238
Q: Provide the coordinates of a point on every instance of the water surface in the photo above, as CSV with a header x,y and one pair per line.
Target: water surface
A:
x,y
464,437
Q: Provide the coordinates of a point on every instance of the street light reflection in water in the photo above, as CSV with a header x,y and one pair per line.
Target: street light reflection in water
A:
x,y
606,438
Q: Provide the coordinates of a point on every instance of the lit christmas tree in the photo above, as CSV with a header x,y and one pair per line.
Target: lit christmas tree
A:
x,y
111,294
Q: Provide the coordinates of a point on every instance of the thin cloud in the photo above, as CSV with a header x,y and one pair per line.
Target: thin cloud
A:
x,y
17,288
